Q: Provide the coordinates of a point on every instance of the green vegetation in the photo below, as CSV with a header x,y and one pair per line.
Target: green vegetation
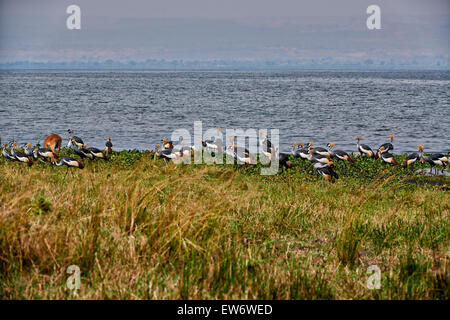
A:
x,y
144,228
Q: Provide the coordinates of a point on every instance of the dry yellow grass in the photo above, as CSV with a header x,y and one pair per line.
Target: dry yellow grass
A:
x,y
155,230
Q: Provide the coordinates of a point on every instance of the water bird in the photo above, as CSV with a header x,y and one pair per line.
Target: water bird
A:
x,y
326,171
386,146
20,156
437,159
387,157
265,144
413,157
365,149
108,145
97,153
45,154
315,157
28,150
83,152
320,150
74,140
53,141
7,154
69,162
339,153
167,144
215,145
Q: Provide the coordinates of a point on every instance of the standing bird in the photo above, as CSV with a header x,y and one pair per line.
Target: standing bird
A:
x,y
70,163
265,144
28,150
387,157
339,153
413,157
108,145
437,159
74,140
365,149
53,142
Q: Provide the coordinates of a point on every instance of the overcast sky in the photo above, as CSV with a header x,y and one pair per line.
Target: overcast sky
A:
x,y
226,29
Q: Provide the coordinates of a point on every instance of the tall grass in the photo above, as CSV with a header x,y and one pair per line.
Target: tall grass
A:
x,y
142,228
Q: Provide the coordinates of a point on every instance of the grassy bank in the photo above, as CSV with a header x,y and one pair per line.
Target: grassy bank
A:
x,y
143,228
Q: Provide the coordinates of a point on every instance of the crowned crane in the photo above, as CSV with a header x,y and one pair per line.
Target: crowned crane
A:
x,y
265,144
413,157
74,140
167,144
437,159
20,156
315,157
28,150
339,153
7,154
295,150
97,153
165,153
303,151
216,145
387,157
326,171
321,151
365,149
386,146
53,142
243,155
69,162
108,145
83,152
45,154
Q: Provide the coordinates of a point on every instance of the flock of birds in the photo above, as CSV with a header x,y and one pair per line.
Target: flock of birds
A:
x,y
320,157
51,149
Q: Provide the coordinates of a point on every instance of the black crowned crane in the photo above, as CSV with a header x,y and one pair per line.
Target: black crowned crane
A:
x,y
365,149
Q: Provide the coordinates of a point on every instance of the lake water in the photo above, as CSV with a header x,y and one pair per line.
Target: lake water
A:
x,y
138,109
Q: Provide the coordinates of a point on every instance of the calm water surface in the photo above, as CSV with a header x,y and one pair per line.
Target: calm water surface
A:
x,y
138,109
